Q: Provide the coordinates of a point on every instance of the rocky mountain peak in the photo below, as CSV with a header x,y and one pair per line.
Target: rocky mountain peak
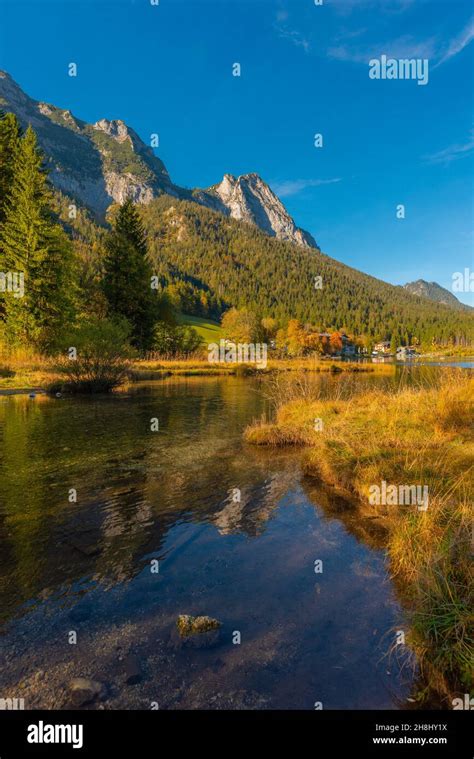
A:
x,y
107,162
433,291
249,198
45,109
115,128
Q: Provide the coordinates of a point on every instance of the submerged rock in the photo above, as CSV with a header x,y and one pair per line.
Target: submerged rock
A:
x,y
196,632
188,625
85,691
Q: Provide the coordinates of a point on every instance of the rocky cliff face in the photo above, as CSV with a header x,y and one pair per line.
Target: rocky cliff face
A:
x,y
95,163
105,162
250,199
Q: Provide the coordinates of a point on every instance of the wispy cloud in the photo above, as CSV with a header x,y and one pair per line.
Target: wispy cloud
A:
x,y
292,35
459,42
346,47
401,47
287,187
406,46
287,32
349,34
452,152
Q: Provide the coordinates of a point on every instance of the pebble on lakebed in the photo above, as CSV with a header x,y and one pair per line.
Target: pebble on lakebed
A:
x,y
196,632
84,691
188,625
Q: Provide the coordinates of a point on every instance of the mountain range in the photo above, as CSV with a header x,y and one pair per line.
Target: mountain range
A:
x,y
232,244
102,163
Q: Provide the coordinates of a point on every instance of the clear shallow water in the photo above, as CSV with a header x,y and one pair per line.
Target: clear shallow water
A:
x,y
167,495
467,364
416,364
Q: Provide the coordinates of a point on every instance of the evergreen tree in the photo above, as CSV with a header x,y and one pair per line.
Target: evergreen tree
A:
x,y
53,279
10,133
395,342
9,139
127,275
238,265
34,245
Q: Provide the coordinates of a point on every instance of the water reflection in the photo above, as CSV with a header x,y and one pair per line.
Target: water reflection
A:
x,y
168,495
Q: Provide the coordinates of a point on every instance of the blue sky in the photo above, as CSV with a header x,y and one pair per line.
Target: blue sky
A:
x,y
304,70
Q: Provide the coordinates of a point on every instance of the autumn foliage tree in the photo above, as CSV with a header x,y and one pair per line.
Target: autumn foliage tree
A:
x,y
335,342
241,325
295,338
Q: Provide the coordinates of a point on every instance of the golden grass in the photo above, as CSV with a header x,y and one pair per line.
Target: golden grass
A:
x,y
199,365
414,435
24,368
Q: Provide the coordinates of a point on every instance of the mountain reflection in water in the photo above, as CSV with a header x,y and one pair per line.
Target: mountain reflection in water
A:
x,y
171,495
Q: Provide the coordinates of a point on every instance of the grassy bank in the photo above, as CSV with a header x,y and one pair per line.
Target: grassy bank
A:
x,y
21,369
145,370
28,371
410,436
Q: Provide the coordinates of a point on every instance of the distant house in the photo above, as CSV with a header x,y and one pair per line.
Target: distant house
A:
x,y
382,347
348,348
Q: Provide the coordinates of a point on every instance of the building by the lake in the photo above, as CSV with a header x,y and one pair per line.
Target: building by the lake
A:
x,y
382,347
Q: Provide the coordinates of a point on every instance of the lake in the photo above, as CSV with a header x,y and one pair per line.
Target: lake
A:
x,y
236,531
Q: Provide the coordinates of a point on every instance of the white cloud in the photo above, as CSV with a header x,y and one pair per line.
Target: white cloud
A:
x,y
293,36
287,33
452,152
402,47
406,46
458,43
287,187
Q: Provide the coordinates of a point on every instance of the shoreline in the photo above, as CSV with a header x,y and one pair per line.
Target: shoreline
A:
x,y
37,380
392,440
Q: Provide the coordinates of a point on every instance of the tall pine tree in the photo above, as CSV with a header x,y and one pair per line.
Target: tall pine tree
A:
x,y
10,133
33,244
127,275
